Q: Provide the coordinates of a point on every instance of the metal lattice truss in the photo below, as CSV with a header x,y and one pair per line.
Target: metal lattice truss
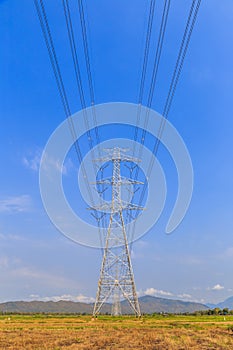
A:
x,y
116,280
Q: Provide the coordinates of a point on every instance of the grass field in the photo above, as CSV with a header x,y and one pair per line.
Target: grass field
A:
x,y
81,332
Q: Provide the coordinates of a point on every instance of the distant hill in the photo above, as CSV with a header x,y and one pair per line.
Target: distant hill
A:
x,y
151,304
226,303
61,306
211,306
148,305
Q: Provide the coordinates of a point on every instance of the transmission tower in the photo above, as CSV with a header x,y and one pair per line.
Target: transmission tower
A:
x,y
116,281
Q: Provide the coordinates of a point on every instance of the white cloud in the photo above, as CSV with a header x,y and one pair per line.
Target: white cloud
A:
x,y
165,294
84,299
32,161
153,292
67,297
16,204
184,296
7,263
34,296
217,287
11,237
50,164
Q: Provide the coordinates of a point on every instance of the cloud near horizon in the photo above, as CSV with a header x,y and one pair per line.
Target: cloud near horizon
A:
x,y
156,292
65,297
217,287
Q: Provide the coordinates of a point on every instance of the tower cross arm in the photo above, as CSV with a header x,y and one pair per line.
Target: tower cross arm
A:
x,y
131,206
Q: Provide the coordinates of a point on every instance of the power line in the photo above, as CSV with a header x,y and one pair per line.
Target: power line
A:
x,y
181,57
144,67
52,54
162,31
41,12
61,88
92,97
147,48
71,36
156,63
86,50
70,32
74,54
141,89
177,71
102,224
174,81
155,72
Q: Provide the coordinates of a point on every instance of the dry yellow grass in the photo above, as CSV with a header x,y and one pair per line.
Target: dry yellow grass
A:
x,y
81,332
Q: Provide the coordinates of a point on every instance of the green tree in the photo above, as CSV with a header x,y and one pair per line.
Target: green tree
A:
x,y
225,311
216,311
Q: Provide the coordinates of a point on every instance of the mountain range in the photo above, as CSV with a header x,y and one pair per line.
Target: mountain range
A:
x,y
228,303
148,304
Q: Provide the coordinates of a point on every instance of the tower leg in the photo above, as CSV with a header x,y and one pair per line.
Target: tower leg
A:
x,y
116,280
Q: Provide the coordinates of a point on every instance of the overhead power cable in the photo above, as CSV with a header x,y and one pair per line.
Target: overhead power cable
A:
x,y
103,219
176,74
70,31
141,88
86,50
71,36
40,8
172,88
144,68
41,12
156,62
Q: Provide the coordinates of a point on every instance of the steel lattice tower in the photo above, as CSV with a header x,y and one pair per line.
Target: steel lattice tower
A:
x,y
116,279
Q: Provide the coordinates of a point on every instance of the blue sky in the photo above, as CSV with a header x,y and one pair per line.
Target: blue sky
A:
x,y
195,262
